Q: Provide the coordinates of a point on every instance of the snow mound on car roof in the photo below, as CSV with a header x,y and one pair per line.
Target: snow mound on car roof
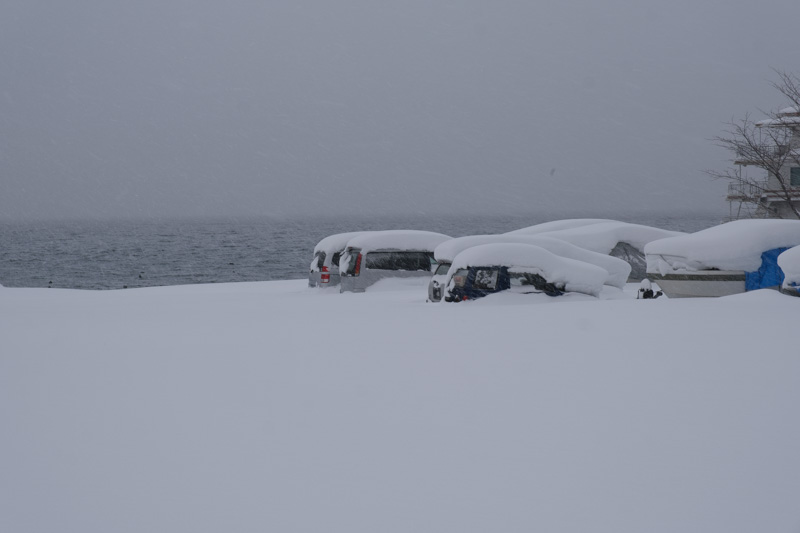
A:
x,y
602,237
556,225
398,240
572,275
736,245
617,269
789,261
334,243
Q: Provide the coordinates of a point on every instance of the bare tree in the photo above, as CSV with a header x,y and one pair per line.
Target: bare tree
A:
x,y
772,145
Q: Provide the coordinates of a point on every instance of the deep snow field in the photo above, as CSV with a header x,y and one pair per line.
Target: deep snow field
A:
x,y
272,407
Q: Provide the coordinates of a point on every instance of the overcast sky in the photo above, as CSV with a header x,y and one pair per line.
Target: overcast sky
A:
x,y
192,107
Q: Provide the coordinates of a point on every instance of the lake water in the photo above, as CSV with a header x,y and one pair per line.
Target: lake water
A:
x,y
120,254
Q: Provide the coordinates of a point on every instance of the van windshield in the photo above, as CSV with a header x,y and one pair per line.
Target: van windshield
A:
x,y
412,261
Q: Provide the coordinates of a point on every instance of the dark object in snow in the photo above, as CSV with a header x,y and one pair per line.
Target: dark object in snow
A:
x,y
633,257
646,291
476,282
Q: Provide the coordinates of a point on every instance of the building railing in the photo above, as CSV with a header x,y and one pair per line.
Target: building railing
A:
x,y
763,150
746,190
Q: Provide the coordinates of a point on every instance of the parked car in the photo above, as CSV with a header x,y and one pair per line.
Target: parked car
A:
x,y
617,269
618,239
557,225
324,269
378,255
489,268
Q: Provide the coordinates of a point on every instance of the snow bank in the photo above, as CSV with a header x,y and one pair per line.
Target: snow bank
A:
x,y
789,261
556,225
618,270
602,237
736,245
569,274
224,407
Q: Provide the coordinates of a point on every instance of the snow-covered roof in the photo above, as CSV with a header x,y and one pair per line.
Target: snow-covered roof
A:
x,y
737,245
398,240
789,261
778,122
792,110
617,269
337,242
573,275
556,225
602,237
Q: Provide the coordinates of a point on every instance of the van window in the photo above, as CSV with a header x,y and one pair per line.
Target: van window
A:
x,y
460,277
411,261
352,261
442,269
335,258
485,279
320,259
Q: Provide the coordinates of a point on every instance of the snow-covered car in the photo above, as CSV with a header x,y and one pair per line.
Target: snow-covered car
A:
x,y
727,259
618,239
789,263
324,269
372,257
489,268
557,225
617,269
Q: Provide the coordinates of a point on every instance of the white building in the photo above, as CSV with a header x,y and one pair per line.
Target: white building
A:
x,y
766,197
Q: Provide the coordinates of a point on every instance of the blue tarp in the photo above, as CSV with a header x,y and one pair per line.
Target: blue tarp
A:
x,y
769,275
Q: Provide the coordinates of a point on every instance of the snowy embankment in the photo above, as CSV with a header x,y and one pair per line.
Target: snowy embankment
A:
x,y
273,407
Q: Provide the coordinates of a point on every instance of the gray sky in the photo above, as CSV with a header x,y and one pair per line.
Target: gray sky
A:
x,y
185,108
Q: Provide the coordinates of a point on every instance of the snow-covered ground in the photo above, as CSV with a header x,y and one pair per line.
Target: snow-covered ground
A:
x,y
274,407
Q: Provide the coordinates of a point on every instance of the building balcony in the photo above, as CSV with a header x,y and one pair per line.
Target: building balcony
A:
x,y
758,192
765,151
746,191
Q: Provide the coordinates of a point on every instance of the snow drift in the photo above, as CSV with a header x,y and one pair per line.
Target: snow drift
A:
x,y
212,408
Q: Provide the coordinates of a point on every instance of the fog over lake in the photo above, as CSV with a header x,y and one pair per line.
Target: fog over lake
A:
x,y
195,108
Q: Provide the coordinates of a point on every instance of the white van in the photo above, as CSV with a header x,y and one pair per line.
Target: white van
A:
x,y
371,257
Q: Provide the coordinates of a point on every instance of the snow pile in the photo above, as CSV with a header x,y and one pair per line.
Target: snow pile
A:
x,y
568,274
789,261
602,237
618,270
222,407
407,240
556,225
736,245
335,243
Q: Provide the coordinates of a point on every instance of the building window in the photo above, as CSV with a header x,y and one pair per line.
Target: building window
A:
x,y
794,177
